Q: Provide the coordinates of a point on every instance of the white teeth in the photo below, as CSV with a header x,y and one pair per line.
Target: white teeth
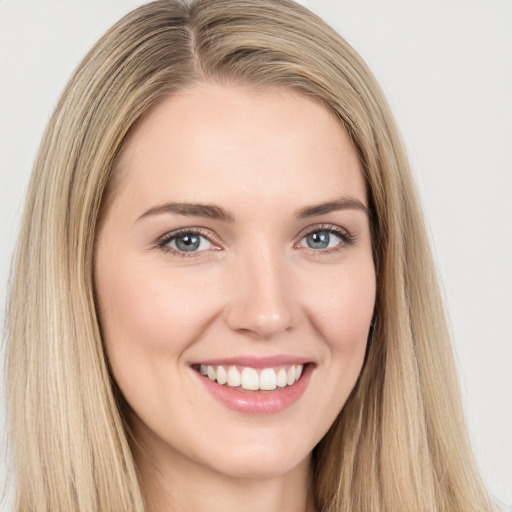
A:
x,y
290,376
234,379
222,376
212,374
251,379
268,379
281,378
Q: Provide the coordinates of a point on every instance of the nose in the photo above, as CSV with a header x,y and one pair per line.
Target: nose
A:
x,y
261,299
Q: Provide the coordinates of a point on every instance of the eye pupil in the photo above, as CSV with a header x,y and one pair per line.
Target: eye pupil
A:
x,y
318,240
188,242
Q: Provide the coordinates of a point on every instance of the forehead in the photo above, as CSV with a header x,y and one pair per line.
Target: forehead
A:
x,y
217,142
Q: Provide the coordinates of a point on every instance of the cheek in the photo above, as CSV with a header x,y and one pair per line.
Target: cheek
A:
x,y
149,314
340,312
342,309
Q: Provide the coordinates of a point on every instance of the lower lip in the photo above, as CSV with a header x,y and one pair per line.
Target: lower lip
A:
x,y
258,402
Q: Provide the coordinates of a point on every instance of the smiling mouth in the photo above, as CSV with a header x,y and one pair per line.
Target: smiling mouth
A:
x,y
252,379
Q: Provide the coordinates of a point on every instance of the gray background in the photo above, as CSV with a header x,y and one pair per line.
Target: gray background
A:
x,y
446,67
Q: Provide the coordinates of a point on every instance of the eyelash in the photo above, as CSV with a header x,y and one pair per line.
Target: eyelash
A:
x,y
346,240
169,237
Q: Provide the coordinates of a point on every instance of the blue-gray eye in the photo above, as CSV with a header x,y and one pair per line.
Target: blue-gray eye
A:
x,y
189,242
321,239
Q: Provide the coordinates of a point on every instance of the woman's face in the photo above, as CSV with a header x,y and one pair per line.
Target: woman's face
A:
x,y
237,245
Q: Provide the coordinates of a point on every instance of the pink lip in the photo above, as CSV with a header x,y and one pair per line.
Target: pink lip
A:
x,y
257,402
256,362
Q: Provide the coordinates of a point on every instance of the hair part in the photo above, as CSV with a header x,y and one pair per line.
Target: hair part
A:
x,y
400,441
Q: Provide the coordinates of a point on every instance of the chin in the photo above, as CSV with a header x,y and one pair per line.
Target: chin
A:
x,y
260,466
259,455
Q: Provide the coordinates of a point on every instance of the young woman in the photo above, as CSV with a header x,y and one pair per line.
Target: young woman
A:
x,y
223,293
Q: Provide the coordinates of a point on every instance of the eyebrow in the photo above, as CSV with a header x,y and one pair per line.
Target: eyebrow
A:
x,y
343,203
216,212
191,210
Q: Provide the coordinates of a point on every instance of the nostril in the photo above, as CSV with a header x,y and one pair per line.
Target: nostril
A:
x,y
261,303
258,325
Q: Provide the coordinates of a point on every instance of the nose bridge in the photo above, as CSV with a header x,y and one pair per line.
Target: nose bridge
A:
x,y
261,302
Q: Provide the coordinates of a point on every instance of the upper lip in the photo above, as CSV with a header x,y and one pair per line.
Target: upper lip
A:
x,y
255,362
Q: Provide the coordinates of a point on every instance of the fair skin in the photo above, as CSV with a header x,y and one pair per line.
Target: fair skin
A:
x,y
259,277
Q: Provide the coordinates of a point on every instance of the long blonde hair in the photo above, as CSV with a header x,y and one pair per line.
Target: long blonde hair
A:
x,y
400,441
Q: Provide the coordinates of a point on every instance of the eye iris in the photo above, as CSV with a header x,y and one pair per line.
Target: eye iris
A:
x,y
318,240
188,242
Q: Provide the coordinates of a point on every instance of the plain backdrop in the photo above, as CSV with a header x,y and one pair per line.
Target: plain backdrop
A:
x,y
446,68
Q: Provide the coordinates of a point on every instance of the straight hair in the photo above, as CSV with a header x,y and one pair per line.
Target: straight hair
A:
x,y
399,443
